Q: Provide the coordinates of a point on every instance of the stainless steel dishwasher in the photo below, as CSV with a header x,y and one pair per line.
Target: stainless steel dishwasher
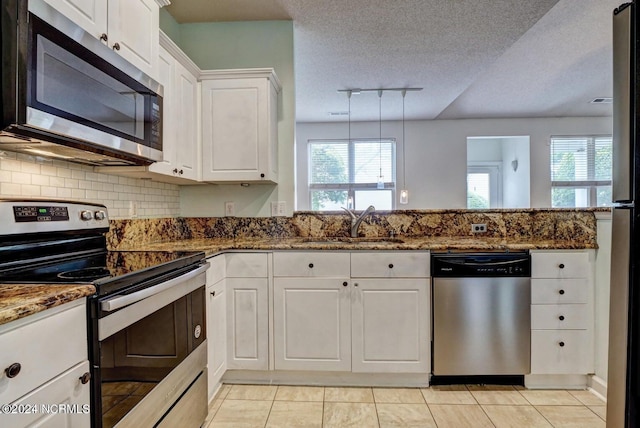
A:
x,y
481,314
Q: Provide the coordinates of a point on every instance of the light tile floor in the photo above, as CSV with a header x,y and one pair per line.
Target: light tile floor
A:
x,y
459,406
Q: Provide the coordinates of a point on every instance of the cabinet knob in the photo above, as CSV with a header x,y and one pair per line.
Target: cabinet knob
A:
x,y
181,172
13,370
561,344
262,175
561,317
561,292
311,265
561,265
390,265
85,378
213,293
104,37
175,170
355,284
116,46
344,284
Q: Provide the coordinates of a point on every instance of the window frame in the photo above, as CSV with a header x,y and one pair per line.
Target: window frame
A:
x,y
591,185
352,187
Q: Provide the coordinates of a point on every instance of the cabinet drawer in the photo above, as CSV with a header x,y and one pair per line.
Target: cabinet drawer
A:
x,y
549,357
246,265
217,270
64,390
560,265
311,264
558,291
552,317
44,349
390,264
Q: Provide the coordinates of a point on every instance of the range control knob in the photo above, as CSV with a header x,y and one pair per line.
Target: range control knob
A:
x,y
99,215
86,215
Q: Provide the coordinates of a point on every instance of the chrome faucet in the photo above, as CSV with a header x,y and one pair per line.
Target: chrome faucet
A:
x,y
356,220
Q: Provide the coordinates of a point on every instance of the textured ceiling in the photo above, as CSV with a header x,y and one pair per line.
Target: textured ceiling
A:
x,y
474,58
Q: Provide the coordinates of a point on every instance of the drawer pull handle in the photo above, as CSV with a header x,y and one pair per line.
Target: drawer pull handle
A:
x,y
85,378
104,37
344,284
311,265
561,344
561,291
116,46
13,370
561,265
213,293
561,317
390,265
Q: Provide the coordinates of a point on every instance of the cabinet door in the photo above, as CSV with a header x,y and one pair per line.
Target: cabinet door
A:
x,y
186,150
133,30
166,73
247,323
236,130
90,15
67,391
390,325
217,334
312,324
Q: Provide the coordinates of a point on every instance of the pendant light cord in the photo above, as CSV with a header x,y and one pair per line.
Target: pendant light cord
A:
x,y
380,132
404,146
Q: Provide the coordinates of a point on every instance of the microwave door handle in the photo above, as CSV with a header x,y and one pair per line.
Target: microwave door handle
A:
x,y
122,301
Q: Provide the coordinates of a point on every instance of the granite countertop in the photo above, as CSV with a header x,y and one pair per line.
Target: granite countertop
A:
x,y
215,245
21,300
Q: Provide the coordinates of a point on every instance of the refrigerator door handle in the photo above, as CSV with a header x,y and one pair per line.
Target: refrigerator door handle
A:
x,y
623,205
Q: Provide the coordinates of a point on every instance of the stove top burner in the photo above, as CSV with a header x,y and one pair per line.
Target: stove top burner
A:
x,y
88,274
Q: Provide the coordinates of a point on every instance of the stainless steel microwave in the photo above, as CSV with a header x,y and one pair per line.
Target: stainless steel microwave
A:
x,y
67,95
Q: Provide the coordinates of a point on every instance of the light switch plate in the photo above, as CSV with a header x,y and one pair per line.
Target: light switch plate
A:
x,y
229,209
278,208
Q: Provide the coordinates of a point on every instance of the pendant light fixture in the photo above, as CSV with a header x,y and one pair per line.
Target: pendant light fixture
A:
x,y
404,193
380,177
349,196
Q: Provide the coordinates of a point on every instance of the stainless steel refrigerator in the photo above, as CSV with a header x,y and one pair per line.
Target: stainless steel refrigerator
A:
x,y
624,321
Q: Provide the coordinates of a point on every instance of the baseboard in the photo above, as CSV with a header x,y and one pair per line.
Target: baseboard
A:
x,y
282,377
598,386
556,381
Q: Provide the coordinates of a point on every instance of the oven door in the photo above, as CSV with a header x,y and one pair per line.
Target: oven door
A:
x,y
148,351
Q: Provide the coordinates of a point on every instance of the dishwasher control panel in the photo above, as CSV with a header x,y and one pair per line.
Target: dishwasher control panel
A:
x,y
460,265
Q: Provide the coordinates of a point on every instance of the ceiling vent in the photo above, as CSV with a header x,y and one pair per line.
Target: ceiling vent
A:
x,y
602,100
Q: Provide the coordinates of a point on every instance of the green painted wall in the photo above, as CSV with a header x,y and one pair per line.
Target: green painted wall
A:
x,y
170,26
228,45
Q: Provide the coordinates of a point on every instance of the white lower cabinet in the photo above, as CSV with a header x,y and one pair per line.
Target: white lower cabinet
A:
x,y
312,324
562,312
44,362
390,325
216,323
247,311
325,320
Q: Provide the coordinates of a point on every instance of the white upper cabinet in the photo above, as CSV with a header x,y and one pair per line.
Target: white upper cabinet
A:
x,y
129,27
240,125
180,163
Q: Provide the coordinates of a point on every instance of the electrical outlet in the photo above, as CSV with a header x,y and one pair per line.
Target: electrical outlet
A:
x,y
133,209
479,228
229,209
278,208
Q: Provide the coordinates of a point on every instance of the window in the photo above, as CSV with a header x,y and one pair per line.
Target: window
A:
x,y
347,174
581,171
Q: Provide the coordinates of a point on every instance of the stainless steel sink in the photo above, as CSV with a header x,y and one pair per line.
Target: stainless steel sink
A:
x,y
347,240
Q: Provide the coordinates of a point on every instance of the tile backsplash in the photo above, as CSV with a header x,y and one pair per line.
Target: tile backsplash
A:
x,y
35,177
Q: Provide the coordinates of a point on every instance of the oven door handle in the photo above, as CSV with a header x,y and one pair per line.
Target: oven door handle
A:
x,y
122,301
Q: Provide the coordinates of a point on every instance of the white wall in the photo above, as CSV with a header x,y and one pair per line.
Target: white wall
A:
x,y
436,153
516,185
